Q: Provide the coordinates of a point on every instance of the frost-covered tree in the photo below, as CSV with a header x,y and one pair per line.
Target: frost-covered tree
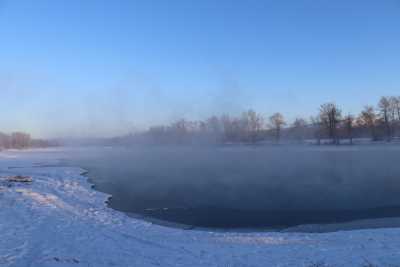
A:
x,y
252,124
277,121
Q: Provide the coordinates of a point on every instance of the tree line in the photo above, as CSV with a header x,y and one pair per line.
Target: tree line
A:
x,y
329,125
380,122
21,140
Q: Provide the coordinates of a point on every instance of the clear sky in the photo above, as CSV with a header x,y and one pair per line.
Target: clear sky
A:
x,y
72,67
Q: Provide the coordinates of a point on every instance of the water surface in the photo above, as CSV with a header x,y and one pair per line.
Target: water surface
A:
x,y
245,186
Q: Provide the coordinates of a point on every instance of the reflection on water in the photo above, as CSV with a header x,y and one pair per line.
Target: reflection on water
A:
x,y
239,186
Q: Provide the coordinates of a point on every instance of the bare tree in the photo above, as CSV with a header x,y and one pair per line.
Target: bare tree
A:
x,y
214,128
230,128
386,114
158,134
20,140
252,124
368,119
213,125
277,121
395,112
5,141
298,127
318,128
349,121
395,101
330,116
180,130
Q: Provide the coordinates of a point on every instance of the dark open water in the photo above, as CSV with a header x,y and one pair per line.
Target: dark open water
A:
x,y
248,187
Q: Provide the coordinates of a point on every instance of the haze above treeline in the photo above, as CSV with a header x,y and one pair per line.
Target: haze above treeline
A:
x,y
330,125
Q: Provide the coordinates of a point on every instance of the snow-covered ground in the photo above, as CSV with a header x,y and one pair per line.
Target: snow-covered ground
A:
x,y
58,220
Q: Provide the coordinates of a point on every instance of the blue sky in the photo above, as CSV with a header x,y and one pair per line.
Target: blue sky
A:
x,y
102,67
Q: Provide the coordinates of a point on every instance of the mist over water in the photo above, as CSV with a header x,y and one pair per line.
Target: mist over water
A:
x,y
247,186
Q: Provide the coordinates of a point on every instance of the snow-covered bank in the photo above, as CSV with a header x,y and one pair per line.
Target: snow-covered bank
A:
x,y
58,220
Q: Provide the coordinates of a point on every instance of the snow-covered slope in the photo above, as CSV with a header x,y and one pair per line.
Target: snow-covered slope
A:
x,y
58,220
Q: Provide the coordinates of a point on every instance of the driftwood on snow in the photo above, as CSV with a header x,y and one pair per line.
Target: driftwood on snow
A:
x,y
19,179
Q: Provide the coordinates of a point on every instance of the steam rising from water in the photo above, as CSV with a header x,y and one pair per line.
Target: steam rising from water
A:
x,y
249,186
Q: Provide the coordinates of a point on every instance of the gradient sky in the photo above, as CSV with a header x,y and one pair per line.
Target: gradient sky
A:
x,y
81,68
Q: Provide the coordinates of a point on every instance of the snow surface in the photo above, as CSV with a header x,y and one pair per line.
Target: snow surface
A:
x,y
58,220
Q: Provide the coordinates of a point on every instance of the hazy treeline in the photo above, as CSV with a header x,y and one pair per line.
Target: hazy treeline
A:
x,y
329,125
21,140
380,122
